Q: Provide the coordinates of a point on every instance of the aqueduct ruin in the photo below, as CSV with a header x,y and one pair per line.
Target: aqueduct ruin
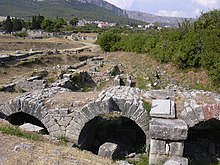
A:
x,y
180,123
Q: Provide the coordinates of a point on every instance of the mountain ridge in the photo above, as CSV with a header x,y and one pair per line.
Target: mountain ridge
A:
x,y
83,9
138,15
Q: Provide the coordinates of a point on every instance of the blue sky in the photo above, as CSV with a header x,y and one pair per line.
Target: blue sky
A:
x,y
179,8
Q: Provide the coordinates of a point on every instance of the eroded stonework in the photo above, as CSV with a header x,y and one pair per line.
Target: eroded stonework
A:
x,y
166,132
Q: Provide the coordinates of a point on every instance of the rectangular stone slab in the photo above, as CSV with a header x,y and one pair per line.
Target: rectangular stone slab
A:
x,y
168,129
163,109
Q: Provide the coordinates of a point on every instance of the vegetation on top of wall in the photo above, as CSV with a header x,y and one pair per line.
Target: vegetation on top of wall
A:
x,y
192,45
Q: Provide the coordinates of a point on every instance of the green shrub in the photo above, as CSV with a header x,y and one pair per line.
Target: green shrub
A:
x,y
51,79
22,34
192,45
108,39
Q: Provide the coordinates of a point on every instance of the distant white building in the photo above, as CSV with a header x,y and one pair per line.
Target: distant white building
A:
x,y
149,26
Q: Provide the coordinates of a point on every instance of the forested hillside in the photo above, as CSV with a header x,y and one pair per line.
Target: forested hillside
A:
x,y
60,8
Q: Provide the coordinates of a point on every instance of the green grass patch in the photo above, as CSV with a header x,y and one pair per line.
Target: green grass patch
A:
x,y
29,62
63,139
15,131
143,160
142,83
147,106
51,79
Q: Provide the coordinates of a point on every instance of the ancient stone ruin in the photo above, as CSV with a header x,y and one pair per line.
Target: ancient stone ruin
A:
x,y
180,126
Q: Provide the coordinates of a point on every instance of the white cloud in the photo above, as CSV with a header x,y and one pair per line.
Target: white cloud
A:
x,y
124,4
197,12
172,13
208,3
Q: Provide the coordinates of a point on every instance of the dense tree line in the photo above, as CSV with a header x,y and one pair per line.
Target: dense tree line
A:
x,y
38,22
192,45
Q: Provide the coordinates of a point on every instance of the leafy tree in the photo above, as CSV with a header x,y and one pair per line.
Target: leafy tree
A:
x,y
209,20
8,25
59,23
108,39
36,22
17,24
74,21
47,25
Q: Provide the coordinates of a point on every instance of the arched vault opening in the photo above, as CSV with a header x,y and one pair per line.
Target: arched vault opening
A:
x,y
20,118
203,143
119,130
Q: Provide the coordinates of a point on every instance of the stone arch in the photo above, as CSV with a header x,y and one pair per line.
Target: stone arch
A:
x,y
120,130
34,104
203,143
128,105
202,118
28,106
196,114
20,118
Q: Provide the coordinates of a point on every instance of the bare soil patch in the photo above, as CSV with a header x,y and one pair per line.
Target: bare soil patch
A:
x,y
143,65
70,99
45,154
10,44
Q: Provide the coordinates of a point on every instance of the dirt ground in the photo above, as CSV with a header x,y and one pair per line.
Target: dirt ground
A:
x,y
10,44
42,153
78,98
143,65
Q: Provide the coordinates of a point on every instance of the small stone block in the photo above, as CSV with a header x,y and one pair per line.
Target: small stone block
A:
x,y
176,161
163,109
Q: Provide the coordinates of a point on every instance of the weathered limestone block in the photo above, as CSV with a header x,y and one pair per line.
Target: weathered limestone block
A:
x,y
32,128
199,113
137,113
82,118
23,146
189,116
109,150
127,106
5,109
161,94
64,121
117,81
105,104
15,105
163,109
158,147
156,159
176,148
176,161
54,128
71,136
120,101
87,112
78,119
132,108
93,108
141,120
129,83
74,126
50,124
168,129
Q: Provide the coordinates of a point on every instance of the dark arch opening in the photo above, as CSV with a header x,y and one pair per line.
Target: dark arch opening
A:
x,y
203,143
119,130
20,118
